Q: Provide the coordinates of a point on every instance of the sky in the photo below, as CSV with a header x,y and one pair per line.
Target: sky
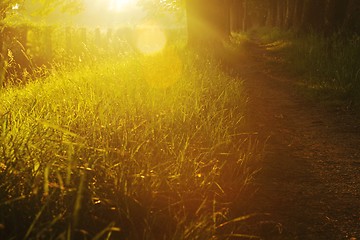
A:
x,y
110,13
95,13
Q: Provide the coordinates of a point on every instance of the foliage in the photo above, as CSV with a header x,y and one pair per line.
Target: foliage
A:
x,y
165,10
329,64
14,12
164,5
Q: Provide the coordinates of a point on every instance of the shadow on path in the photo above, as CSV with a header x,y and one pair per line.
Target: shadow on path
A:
x,y
309,182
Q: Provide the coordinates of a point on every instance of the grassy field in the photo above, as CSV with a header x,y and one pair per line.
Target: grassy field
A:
x,y
138,147
329,65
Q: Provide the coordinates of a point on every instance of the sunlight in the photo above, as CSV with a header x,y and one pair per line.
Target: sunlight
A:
x,y
119,5
150,38
15,7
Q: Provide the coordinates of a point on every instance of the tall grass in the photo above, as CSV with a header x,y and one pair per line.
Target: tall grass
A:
x,y
143,147
330,64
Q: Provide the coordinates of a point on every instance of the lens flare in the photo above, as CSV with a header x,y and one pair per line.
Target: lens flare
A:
x,y
118,5
150,39
15,7
162,71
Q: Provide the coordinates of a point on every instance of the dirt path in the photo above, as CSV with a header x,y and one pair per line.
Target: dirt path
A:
x,y
310,177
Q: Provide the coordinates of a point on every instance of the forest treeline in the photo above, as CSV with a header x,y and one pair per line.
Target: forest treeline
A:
x,y
218,18
326,16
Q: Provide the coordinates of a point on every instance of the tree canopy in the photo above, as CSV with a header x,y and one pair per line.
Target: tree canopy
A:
x,y
216,19
10,10
211,21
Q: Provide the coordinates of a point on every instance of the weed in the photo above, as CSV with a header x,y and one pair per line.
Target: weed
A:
x,y
142,147
329,64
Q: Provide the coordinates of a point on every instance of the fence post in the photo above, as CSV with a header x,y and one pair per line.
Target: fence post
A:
x,y
109,39
2,57
98,38
68,40
82,40
83,35
47,36
20,35
23,37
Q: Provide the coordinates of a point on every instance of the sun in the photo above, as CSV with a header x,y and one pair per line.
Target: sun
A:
x,y
119,5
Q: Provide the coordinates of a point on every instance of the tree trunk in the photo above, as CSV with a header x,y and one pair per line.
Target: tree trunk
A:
x,y
2,58
235,16
313,15
335,12
2,39
194,21
239,15
244,18
352,17
339,13
298,12
280,14
329,12
289,15
225,16
208,22
271,20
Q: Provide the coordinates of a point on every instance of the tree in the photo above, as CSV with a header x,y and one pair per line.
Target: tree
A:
x,y
288,14
236,14
352,16
11,10
211,21
40,7
208,21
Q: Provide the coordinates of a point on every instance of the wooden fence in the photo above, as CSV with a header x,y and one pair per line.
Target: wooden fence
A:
x,y
25,48
46,43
